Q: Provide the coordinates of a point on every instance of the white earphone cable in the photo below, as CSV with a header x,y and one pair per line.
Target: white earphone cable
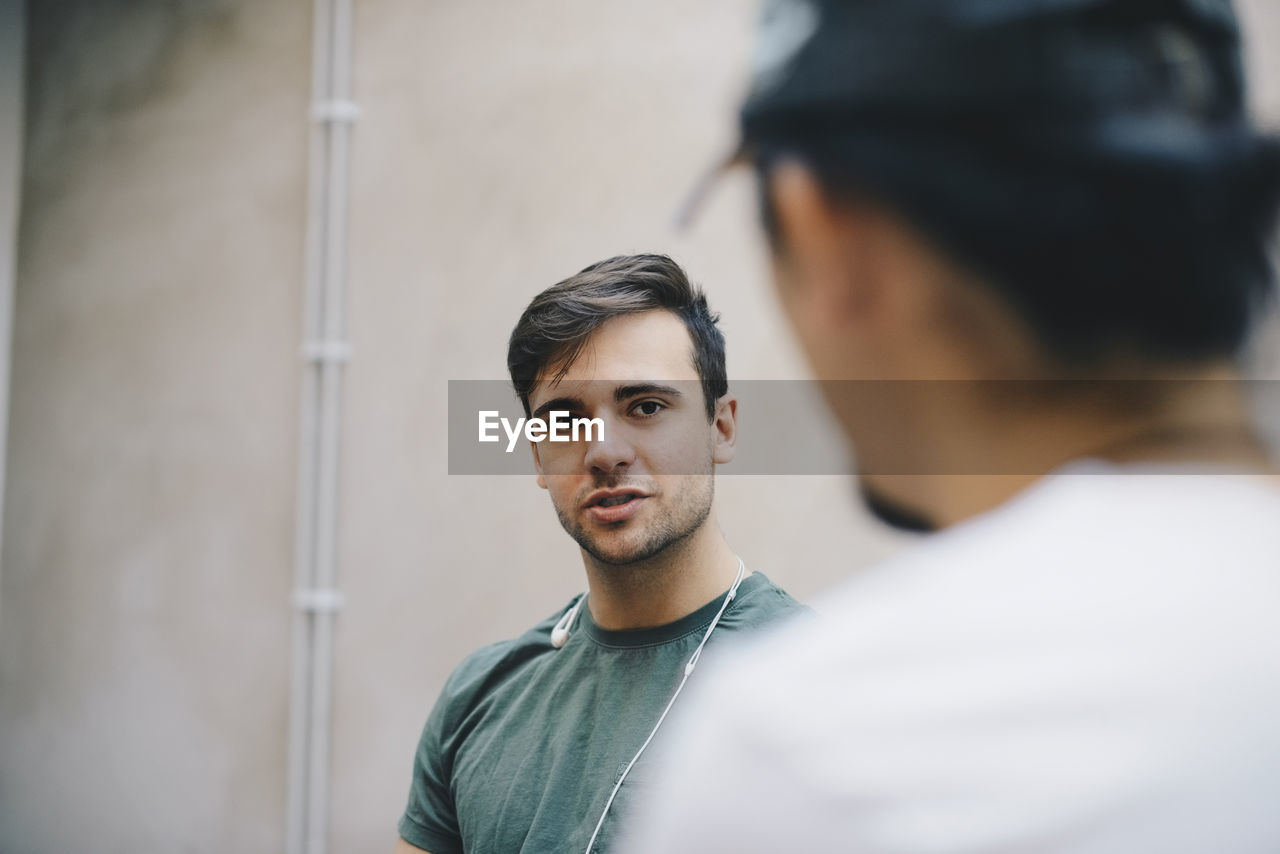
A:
x,y
688,669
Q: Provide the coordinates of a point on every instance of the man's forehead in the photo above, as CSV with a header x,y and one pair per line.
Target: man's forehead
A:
x,y
649,348
612,389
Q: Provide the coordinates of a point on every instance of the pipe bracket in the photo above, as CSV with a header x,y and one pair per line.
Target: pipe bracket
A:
x,y
338,110
318,600
331,350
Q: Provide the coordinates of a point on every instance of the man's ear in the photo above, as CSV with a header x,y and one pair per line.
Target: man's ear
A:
x,y
726,427
537,464
826,248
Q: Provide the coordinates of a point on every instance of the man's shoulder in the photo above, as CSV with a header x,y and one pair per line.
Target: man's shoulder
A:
x,y
1096,564
760,603
1120,626
487,668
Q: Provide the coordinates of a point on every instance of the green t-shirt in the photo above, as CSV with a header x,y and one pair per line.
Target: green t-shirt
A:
x,y
526,740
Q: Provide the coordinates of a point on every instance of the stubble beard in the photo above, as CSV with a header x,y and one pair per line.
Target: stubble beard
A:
x,y
666,533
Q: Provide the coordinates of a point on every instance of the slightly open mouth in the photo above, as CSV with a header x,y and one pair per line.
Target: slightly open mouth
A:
x,y
615,500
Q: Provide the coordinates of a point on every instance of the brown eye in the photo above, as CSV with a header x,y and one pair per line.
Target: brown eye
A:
x,y
648,408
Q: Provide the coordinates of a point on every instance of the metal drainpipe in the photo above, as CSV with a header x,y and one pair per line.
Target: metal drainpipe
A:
x,y
13,32
316,599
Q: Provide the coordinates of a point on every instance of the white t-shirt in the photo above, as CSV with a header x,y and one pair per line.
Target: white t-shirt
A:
x,y
1092,668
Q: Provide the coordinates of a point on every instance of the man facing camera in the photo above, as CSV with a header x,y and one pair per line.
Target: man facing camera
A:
x,y
1022,242
534,741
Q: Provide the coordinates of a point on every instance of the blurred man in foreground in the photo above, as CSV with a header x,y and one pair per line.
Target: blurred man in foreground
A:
x,y
1023,241
532,739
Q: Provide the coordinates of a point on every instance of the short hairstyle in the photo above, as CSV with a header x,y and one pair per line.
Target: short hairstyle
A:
x,y
557,323
1101,258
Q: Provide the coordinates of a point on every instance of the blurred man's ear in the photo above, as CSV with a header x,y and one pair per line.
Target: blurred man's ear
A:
x,y
823,249
726,427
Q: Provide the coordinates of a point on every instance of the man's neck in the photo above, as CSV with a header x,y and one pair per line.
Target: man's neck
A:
x,y
1202,420
664,588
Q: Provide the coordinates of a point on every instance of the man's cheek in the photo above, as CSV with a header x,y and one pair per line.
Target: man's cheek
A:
x,y
562,460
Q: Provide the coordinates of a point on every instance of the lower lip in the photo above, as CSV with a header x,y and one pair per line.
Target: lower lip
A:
x,y
618,513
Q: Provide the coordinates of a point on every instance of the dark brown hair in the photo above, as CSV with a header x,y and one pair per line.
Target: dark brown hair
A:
x,y
556,325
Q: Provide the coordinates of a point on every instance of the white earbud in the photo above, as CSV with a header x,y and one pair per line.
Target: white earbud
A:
x,y
560,632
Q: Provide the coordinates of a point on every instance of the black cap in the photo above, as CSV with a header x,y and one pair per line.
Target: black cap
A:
x,y
832,62
1097,78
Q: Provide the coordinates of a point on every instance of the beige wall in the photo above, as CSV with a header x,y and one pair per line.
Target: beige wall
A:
x,y
147,563
144,639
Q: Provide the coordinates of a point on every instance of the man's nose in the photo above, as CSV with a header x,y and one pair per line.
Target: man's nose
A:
x,y
612,451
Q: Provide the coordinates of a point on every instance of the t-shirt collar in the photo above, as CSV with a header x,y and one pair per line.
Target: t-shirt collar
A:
x,y
656,635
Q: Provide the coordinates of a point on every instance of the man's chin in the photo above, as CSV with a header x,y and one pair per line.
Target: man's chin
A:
x,y
892,512
615,555
623,548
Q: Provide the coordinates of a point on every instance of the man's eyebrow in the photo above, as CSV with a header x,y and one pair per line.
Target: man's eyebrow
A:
x,y
626,392
561,404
